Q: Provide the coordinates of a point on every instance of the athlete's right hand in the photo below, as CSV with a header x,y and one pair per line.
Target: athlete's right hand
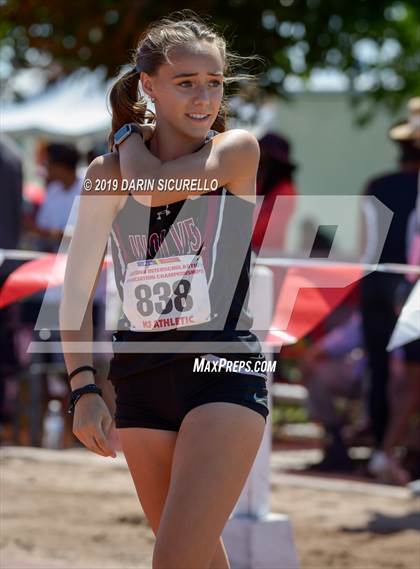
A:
x,y
92,424
147,130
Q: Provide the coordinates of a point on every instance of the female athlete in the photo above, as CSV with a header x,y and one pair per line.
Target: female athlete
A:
x,y
190,415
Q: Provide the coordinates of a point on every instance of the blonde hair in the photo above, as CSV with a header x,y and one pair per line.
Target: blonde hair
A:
x,y
152,50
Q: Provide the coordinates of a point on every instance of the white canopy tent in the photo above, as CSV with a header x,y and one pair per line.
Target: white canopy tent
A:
x,y
72,108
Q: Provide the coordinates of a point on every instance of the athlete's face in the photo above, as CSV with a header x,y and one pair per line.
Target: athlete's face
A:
x,y
188,90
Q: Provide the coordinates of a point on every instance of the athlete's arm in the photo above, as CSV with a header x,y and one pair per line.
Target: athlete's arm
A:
x,y
84,263
230,157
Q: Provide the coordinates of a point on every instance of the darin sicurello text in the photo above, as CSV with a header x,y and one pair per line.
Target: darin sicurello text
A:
x,y
169,185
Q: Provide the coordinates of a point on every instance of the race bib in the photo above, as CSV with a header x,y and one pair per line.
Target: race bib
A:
x,y
167,293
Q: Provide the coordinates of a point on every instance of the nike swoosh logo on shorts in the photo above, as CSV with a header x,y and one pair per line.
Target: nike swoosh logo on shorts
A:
x,y
262,400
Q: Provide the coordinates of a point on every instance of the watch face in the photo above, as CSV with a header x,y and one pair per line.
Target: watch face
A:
x,y
122,133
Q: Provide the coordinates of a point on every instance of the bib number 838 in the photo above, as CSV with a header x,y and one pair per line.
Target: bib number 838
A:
x,y
182,300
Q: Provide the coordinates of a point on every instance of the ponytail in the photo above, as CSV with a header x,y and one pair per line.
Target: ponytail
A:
x,y
126,104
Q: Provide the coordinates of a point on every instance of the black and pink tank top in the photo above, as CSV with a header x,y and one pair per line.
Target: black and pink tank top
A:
x,y
182,272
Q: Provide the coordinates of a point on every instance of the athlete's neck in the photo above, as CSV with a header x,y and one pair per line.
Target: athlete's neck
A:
x,y
168,144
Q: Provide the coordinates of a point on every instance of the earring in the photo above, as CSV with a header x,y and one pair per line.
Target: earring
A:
x,y
153,100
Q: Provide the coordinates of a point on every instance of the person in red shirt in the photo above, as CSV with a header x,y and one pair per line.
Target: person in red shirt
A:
x,y
274,179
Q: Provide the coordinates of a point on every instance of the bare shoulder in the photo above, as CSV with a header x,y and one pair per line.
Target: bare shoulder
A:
x,y
105,166
103,178
239,151
239,140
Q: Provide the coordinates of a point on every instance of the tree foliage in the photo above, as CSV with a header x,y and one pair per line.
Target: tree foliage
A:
x,y
374,44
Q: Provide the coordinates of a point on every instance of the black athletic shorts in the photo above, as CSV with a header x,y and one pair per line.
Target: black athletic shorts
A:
x,y
160,398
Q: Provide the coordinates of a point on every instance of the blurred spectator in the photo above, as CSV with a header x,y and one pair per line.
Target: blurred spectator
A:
x,y
11,201
54,221
10,230
398,191
413,236
333,367
63,186
274,178
388,465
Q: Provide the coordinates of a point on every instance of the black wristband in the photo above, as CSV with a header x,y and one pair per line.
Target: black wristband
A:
x,y
82,368
77,393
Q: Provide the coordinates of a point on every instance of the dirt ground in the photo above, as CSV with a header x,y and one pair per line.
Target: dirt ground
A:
x,y
72,509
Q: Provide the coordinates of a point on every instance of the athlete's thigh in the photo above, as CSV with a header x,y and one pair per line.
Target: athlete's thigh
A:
x,y
149,453
215,449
